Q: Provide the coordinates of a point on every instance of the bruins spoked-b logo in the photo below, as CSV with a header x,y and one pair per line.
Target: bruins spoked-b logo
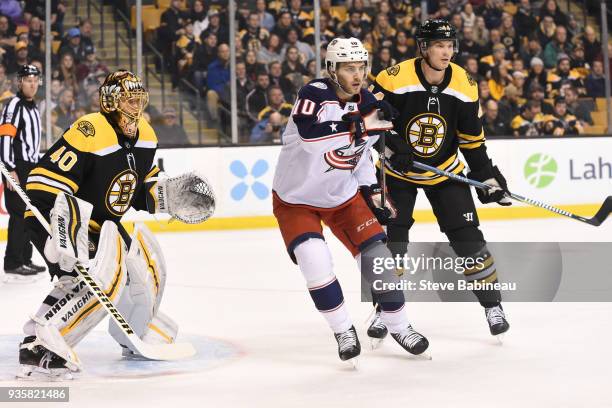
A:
x,y
119,195
425,133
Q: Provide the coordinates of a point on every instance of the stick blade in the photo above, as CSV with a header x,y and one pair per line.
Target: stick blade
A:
x,y
161,352
603,212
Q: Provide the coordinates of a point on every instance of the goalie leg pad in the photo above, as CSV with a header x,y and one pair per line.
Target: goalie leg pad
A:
x,y
139,304
71,306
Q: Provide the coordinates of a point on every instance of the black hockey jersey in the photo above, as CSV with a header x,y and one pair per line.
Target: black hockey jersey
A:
x,y
436,120
98,164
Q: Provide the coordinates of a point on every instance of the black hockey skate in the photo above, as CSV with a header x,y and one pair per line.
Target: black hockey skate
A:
x,y
36,363
411,341
377,330
497,320
348,346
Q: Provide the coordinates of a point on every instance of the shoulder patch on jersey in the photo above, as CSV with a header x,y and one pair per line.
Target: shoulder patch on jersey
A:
x,y
319,85
470,79
86,128
394,70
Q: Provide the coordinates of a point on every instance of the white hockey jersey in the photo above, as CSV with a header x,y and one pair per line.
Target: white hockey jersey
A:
x,y
320,163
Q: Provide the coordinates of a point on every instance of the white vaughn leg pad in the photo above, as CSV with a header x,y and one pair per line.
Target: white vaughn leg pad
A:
x,y
69,241
48,336
71,307
139,304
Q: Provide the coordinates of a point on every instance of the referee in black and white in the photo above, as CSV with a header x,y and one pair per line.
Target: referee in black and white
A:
x,y
20,135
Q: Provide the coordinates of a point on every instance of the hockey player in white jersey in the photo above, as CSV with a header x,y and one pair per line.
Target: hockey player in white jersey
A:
x,y
325,174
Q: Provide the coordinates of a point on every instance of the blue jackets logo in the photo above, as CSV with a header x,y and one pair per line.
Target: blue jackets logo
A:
x,y
249,180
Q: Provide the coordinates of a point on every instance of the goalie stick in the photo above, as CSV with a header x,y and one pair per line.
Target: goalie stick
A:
x,y
596,220
172,351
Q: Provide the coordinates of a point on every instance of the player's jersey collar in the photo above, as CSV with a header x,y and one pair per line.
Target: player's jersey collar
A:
x,y
434,89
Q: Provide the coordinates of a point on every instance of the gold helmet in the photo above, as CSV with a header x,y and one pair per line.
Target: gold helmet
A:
x,y
123,92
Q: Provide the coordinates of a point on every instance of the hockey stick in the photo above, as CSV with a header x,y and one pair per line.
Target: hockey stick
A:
x,y
596,220
383,176
173,351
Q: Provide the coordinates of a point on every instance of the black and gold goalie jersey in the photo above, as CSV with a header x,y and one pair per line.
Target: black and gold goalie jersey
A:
x,y
93,161
436,120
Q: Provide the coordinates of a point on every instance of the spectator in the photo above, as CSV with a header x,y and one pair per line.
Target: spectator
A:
x,y
36,33
382,60
592,46
547,30
218,75
8,39
382,32
561,123
578,63
536,95
457,22
595,81
484,92
66,72
276,103
266,20
254,35
278,79
268,130
481,32
170,132
65,108
203,56
510,104
198,17
499,79
257,99
184,49
518,81
299,17
73,45
252,66
327,34
508,34
401,49
559,45
293,68
93,104
524,20
468,16
492,124
529,122
577,107
86,29
56,90
355,26
496,59
90,64
550,8
492,13
533,50
563,76
5,82
215,27
305,52
20,59
537,74
271,52
471,66
467,46
170,29
283,25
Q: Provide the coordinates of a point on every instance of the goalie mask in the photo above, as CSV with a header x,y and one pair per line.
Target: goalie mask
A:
x,y
123,96
344,50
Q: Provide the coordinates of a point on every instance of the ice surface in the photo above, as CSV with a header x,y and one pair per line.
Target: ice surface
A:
x,y
237,295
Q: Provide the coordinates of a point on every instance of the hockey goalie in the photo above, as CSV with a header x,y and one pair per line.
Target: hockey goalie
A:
x,y
99,168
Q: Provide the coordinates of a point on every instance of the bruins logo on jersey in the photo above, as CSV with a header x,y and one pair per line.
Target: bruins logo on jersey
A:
x,y
394,70
425,133
120,193
86,128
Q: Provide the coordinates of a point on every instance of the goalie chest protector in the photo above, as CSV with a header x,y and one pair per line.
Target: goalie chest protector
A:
x,y
96,163
435,120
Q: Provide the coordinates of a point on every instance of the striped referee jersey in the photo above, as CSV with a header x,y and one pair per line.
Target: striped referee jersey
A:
x,y
20,132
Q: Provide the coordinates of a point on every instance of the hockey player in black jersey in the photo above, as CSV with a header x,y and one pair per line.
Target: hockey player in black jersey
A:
x,y
85,183
438,116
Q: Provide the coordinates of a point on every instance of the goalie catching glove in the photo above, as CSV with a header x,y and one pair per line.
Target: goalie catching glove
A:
x,y
188,198
373,197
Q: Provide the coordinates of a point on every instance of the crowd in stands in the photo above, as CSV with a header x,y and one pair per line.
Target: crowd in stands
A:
x,y
535,65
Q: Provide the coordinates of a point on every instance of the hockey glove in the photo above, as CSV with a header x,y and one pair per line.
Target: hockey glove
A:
x,y
398,153
356,124
492,176
373,197
386,111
